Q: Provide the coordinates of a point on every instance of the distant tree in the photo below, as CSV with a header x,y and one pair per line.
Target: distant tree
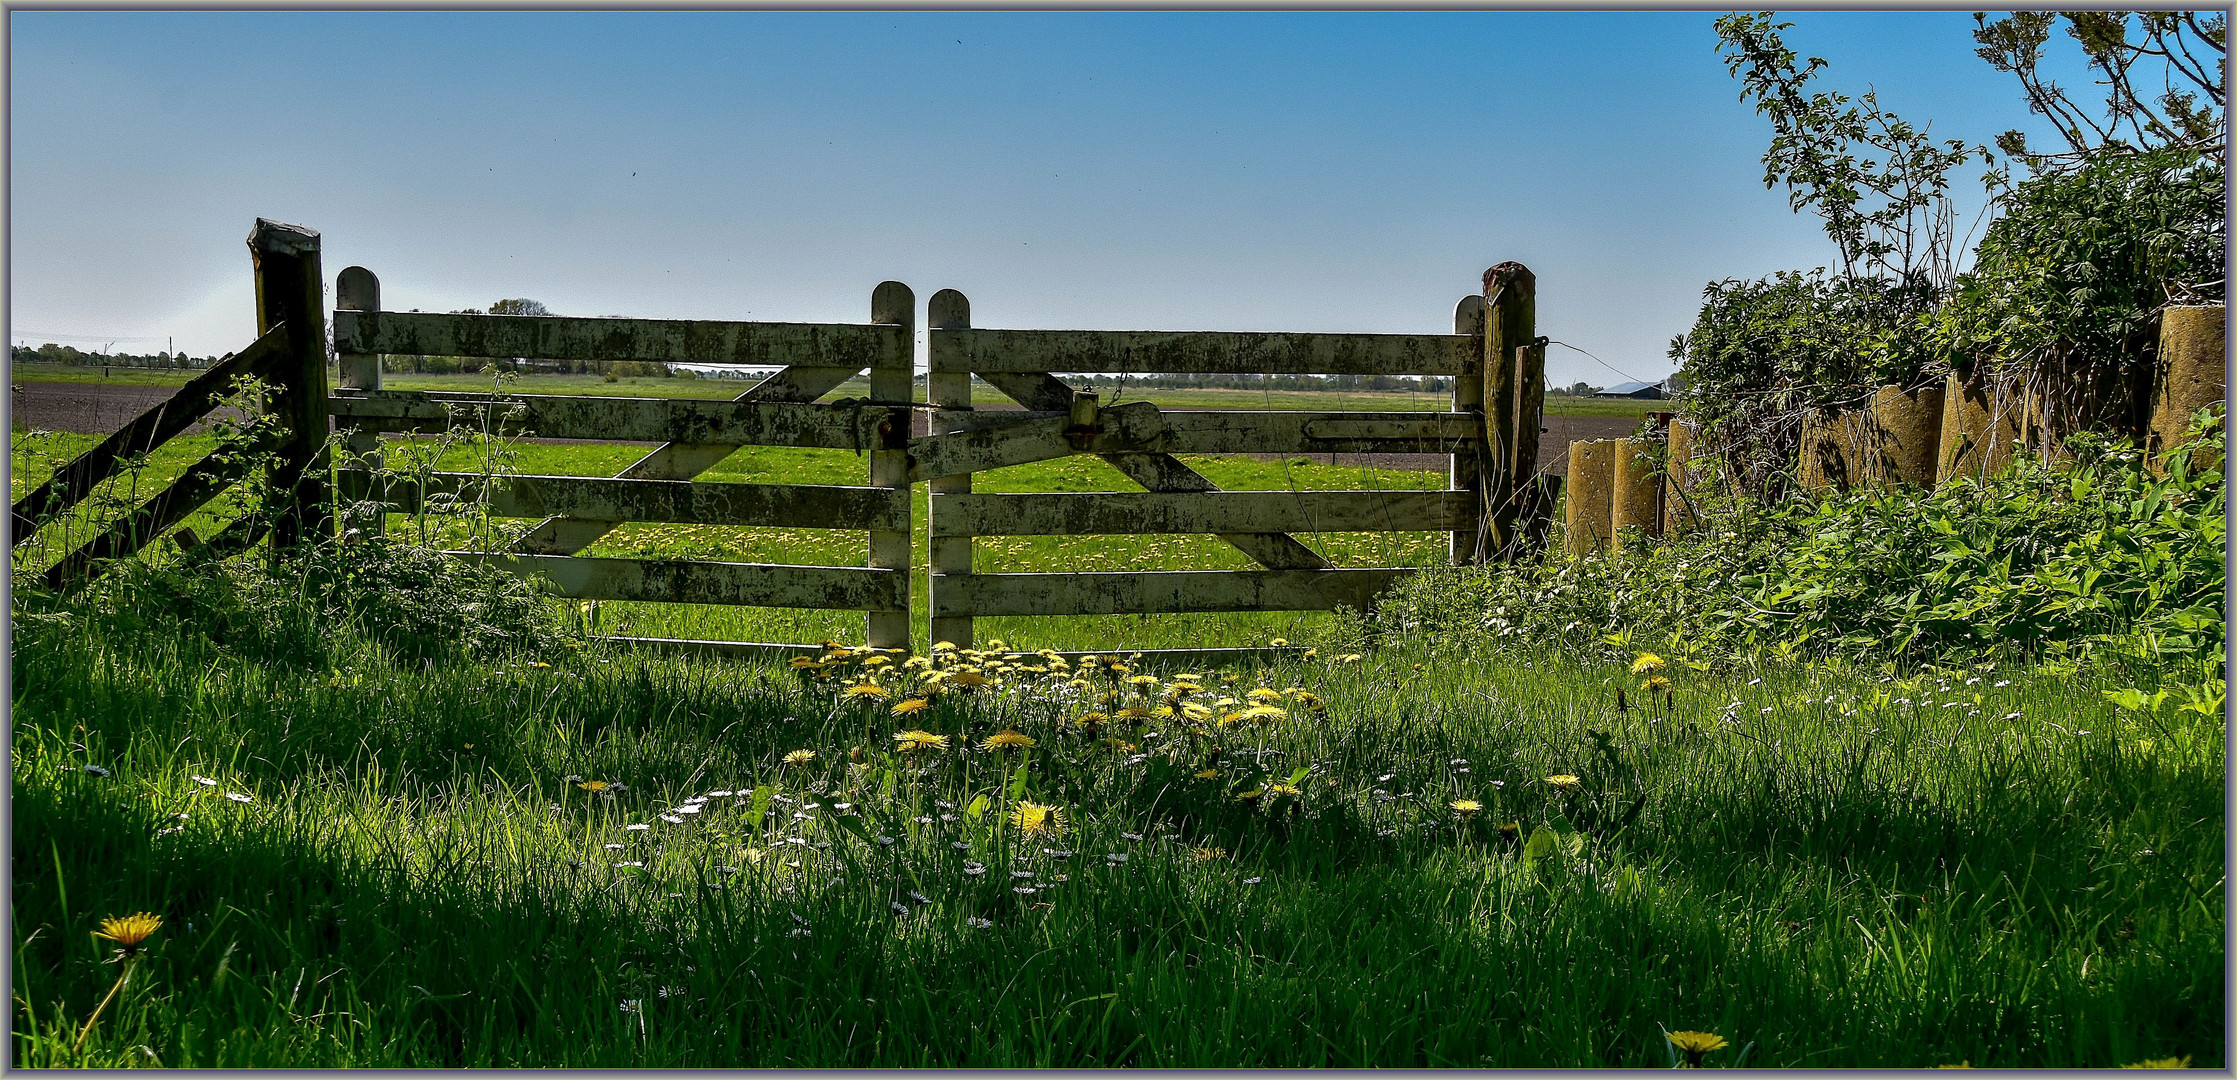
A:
x,y
522,306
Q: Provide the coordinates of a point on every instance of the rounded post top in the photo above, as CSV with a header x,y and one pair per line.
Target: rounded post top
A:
x,y
948,310
1468,315
1511,275
356,289
893,303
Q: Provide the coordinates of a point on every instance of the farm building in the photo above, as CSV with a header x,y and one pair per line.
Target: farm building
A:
x,y
1644,391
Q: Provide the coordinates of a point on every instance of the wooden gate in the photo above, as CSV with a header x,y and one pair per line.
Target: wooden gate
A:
x,y
781,410
1141,441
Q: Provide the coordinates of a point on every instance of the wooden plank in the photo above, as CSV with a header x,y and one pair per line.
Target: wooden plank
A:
x,y
847,425
671,341
1155,472
1164,592
786,506
1141,427
753,650
193,489
1150,351
889,543
950,556
1118,513
745,584
1467,462
189,403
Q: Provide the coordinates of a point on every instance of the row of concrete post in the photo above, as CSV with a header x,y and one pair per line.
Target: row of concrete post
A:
x,y
1919,435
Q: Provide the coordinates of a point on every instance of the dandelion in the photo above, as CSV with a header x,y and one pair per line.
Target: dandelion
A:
x,y
1310,702
911,706
1279,790
1657,683
1694,1044
968,677
130,933
1034,819
1132,713
1466,808
1010,739
800,757
912,740
1207,774
1251,794
1264,714
1143,682
1280,643
1562,781
2182,1062
1207,854
1264,695
1649,662
866,692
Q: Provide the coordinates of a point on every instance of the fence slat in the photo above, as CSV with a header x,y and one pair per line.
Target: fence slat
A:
x,y
1161,593
192,490
670,341
186,405
1208,352
742,584
1156,472
792,506
844,425
1142,428
1124,513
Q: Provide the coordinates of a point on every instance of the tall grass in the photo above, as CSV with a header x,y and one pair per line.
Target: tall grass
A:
x,y
1829,866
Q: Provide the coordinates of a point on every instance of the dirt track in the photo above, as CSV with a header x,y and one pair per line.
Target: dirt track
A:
x,y
97,409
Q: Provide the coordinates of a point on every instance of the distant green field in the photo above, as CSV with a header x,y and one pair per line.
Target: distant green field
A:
x,y
981,394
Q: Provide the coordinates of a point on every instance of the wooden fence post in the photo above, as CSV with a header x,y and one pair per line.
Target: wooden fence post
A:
x,y
1510,322
892,304
950,395
1467,463
290,290
356,289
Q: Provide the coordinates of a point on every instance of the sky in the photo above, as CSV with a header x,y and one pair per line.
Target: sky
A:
x,y
1302,171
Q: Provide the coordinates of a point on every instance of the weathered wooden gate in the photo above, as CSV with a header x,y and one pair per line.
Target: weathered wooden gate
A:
x,y
1141,441
782,410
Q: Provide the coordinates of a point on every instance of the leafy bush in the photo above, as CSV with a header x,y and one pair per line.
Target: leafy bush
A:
x,y
2095,557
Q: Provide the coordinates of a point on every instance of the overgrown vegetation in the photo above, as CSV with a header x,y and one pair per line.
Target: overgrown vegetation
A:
x,y
2095,560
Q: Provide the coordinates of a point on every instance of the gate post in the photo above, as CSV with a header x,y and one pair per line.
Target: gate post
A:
x,y
950,395
1510,323
290,289
893,304
1467,464
356,289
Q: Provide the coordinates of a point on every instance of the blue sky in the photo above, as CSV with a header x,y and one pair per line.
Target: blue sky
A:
x,y
1149,170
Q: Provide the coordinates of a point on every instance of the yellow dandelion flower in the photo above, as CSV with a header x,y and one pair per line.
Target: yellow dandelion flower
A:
x,y
1132,713
803,663
1311,702
1120,746
866,692
968,677
943,646
1195,712
1280,643
876,662
1034,819
1264,695
1645,663
1562,781
800,757
1090,720
1007,740
1265,714
1251,794
2182,1062
1229,718
1693,1044
1207,854
911,706
1279,790
1350,658
912,740
1182,688
1143,680
594,786
996,645
1466,807
129,931
1657,683
1207,774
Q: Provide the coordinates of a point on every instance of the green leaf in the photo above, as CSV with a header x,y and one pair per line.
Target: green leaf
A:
x,y
977,808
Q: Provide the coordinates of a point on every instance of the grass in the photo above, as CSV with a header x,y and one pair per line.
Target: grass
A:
x,y
1828,866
